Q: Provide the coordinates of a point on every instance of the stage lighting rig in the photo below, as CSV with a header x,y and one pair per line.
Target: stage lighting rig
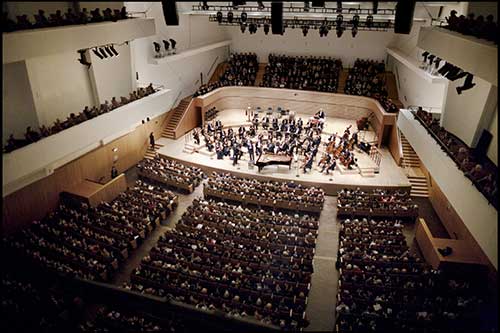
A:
x,y
230,17
244,17
96,52
369,21
83,58
112,48
219,16
103,52
266,28
243,26
305,30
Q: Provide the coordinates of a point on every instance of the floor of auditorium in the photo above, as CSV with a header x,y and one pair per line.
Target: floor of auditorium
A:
x,y
321,304
390,173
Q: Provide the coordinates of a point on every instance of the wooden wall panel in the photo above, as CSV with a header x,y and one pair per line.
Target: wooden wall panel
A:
x,y
110,190
191,119
395,145
37,199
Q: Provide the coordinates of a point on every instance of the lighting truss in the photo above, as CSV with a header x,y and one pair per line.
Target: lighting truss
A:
x,y
311,23
300,9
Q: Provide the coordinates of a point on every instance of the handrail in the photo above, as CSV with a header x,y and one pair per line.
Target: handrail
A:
x,y
183,116
208,73
375,155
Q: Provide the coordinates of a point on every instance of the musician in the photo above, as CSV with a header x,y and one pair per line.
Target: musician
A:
x,y
196,137
255,122
258,147
236,153
275,124
308,162
300,123
320,114
241,132
265,122
218,125
249,145
325,160
210,128
354,137
219,151
331,166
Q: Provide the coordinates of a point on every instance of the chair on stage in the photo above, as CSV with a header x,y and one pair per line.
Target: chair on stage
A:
x,y
269,111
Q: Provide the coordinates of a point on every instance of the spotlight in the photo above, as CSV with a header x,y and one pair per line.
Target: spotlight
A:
x,y
96,52
354,31
219,16
261,5
104,52
112,48
305,30
355,20
244,17
243,26
109,51
173,43
83,58
230,16
467,84
369,21
340,19
266,28
166,44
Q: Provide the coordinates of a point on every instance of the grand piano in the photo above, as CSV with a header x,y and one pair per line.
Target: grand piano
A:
x,y
273,159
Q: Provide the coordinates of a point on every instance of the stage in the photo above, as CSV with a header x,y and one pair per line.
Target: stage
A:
x,y
389,174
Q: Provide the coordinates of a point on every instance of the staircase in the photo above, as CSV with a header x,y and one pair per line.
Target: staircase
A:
x,y
342,79
410,158
150,153
260,74
416,177
175,118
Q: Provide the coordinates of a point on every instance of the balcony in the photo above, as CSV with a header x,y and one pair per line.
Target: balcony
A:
x,y
39,159
473,208
474,55
21,45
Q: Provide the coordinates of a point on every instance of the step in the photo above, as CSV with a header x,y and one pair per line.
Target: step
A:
x,y
419,195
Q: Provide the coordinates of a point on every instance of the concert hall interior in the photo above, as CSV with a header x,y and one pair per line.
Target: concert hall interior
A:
x,y
206,166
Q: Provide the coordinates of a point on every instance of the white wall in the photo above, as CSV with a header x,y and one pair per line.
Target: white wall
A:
x,y
183,75
367,44
60,84
112,75
493,129
462,114
17,102
415,90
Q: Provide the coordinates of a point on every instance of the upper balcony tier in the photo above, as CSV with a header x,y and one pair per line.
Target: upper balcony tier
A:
x,y
37,160
25,44
474,210
474,55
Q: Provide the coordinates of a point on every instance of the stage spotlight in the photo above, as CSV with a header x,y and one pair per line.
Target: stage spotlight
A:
x,y
173,43
305,30
112,48
355,20
261,5
243,26
369,21
354,31
83,58
109,51
467,84
266,28
219,16
96,52
230,16
104,52
244,17
340,19
340,31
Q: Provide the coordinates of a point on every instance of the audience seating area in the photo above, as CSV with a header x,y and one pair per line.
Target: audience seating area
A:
x,y
473,26
169,172
32,135
384,288
245,262
480,170
376,203
366,79
58,19
279,195
90,243
304,73
241,71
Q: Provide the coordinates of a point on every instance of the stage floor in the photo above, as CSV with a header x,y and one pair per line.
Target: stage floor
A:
x,y
390,174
